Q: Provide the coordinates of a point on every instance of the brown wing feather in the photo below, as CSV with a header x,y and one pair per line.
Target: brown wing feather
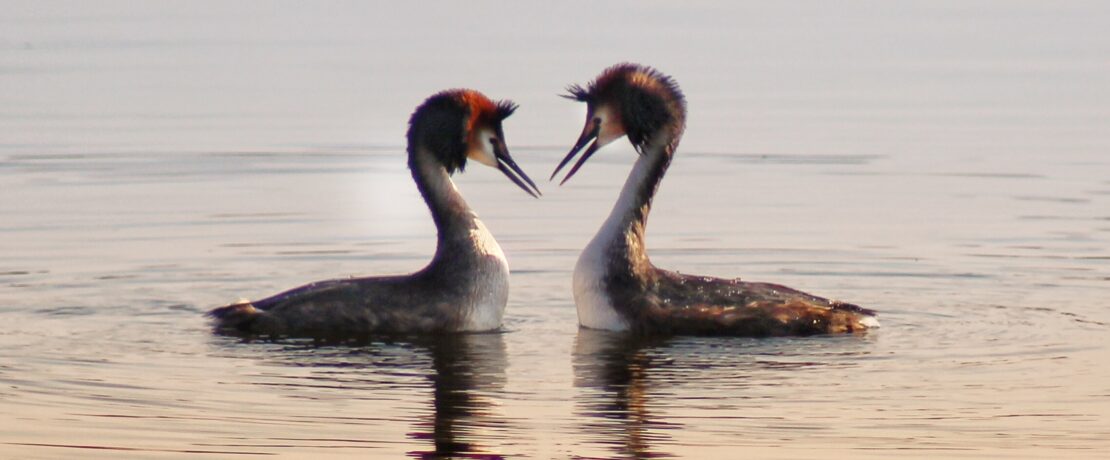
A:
x,y
676,303
341,308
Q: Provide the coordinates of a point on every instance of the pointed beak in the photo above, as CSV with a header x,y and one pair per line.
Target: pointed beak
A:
x,y
589,133
509,167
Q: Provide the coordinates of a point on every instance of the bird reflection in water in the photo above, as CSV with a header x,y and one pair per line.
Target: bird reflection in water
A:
x,y
611,369
467,367
632,387
465,371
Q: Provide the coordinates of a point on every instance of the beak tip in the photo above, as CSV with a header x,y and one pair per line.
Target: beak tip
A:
x,y
510,169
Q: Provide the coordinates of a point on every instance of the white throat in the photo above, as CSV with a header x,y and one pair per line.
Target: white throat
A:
x,y
487,281
490,285
595,307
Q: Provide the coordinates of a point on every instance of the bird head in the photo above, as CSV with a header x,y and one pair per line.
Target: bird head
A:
x,y
625,100
461,124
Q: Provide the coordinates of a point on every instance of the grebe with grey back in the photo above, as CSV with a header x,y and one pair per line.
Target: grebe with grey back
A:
x,y
466,285
616,287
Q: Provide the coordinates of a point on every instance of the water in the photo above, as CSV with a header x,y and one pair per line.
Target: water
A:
x,y
943,164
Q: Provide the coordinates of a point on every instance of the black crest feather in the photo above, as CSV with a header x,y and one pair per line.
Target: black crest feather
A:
x,y
505,108
577,93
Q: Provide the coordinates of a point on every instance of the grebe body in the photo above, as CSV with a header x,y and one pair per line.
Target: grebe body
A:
x,y
616,287
466,285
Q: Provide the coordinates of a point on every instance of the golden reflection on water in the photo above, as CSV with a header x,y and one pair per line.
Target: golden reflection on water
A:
x,y
612,370
465,372
642,395
468,368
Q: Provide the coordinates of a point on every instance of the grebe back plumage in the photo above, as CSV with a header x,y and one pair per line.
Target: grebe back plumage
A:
x,y
466,285
616,287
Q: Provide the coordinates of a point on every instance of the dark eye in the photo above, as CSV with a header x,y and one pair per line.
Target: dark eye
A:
x,y
597,120
493,141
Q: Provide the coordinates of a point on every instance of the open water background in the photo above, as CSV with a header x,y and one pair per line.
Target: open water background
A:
x,y
945,163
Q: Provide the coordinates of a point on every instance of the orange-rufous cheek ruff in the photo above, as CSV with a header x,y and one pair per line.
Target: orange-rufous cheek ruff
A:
x,y
480,108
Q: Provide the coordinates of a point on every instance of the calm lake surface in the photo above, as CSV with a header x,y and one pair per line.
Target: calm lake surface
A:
x,y
945,164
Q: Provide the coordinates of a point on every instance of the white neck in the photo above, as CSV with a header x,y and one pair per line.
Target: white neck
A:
x,y
466,252
617,225
619,240
455,221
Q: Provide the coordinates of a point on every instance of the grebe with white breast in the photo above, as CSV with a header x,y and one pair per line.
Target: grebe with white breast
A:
x,y
466,285
616,287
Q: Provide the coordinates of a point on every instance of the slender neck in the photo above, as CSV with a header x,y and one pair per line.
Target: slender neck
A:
x,y
453,217
624,231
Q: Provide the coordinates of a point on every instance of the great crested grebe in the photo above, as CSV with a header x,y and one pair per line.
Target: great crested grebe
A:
x,y
616,287
466,285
